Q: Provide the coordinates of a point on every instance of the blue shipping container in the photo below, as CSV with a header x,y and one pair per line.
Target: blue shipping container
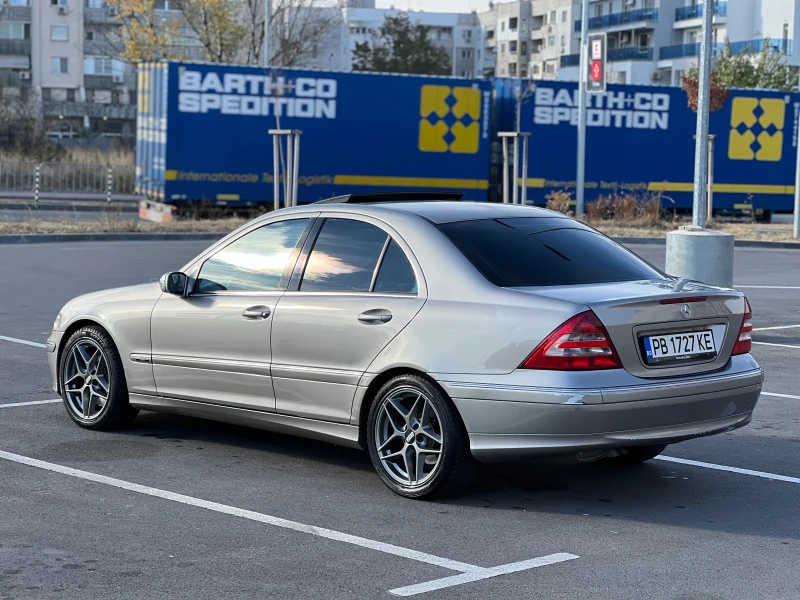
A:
x,y
203,132
641,139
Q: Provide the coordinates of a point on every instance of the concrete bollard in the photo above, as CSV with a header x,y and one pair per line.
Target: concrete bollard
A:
x,y
701,255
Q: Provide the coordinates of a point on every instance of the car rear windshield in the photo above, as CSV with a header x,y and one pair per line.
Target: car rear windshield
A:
x,y
544,251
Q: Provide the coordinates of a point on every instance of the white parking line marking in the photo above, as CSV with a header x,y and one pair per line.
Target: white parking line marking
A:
x,y
778,327
766,287
778,345
780,395
15,404
19,341
705,465
453,565
453,580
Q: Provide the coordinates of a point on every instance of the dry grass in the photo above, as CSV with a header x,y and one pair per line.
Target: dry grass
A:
x,y
112,225
117,157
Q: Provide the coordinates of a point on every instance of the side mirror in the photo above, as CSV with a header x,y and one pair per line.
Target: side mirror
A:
x,y
174,283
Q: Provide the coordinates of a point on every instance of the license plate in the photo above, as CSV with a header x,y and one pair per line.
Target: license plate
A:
x,y
679,346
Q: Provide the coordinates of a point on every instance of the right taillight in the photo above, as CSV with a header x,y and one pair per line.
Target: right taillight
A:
x,y
580,344
744,342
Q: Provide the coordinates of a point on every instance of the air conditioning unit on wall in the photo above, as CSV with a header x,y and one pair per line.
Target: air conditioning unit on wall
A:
x,y
24,74
118,78
62,10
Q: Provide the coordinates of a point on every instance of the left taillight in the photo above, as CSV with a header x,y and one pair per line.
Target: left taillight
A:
x,y
580,344
744,342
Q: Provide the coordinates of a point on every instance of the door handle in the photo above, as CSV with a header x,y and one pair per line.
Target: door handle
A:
x,y
254,313
376,316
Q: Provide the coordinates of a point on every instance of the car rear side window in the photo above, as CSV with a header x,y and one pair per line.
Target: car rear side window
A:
x,y
344,257
254,262
395,274
567,253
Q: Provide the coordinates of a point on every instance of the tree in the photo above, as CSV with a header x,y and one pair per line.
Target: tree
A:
x,y
402,47
766,69
144,34
219,26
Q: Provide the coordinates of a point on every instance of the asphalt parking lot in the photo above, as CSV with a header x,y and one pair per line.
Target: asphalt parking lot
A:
x,y
183,508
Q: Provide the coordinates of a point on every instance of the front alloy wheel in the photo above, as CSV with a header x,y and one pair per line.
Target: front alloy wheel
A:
x,y
86,380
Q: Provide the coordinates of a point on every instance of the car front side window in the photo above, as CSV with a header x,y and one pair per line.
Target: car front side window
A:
x,y
253,263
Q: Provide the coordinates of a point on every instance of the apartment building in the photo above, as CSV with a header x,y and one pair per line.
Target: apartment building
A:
x,y
657,41
459,34
507,39
56,56
552,36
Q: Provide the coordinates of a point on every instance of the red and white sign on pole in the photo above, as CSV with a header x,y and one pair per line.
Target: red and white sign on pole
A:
x,y
596,81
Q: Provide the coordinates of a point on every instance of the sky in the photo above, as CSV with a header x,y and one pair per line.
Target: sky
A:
x,y
435,5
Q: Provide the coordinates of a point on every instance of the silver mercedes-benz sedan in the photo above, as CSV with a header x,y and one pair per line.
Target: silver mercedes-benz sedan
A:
x,y
425,330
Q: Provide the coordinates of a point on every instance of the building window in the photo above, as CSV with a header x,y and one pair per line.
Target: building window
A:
x,y
13,30
466,54
563,42
523,72
563,16
58,65
489,34
512,23
524,25
551,41
502,48
512,69
59,32
552,16
102,65
523,47
89,36
502,25
550,68
534,69
467,35
512,47
94,3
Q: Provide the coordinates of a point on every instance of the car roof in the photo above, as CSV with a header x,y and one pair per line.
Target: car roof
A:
x,y
442,212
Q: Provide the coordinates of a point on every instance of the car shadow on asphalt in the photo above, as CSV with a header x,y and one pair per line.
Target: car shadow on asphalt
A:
x,y
656,492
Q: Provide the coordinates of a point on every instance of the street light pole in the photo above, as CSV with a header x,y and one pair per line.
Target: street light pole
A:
x,y
580,178
699,209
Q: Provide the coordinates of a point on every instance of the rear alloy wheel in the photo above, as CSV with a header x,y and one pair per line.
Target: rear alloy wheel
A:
x,y
416,439
635,455
92,381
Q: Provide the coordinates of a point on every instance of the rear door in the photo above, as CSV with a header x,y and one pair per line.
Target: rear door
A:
x,y
356,286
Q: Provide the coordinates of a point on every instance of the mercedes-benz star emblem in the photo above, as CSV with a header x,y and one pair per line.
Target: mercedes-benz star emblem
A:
x,y
686,311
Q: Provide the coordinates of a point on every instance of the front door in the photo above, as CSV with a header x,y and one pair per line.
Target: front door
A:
x,y
357,292
214,344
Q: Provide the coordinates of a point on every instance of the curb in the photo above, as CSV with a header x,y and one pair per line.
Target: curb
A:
x,y
49,238
736,243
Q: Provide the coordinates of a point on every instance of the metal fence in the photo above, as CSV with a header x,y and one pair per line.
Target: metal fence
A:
x,y
49,177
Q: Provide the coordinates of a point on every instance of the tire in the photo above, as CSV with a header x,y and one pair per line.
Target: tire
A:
x,y
401,437
635,455
102,374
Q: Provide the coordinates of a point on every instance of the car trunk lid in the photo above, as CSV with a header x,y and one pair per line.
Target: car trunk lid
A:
x,y
665,311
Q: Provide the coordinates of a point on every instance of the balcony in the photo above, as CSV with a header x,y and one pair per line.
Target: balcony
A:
x,y
688,50
695,12
623,18
570,60
15,47
619,54
88,109
100,15
614,55
15,13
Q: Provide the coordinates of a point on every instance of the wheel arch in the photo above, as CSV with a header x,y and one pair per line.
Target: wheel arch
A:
x,y
374,387
72,328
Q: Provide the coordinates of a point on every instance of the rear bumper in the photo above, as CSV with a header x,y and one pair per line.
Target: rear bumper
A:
x,y
511,421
